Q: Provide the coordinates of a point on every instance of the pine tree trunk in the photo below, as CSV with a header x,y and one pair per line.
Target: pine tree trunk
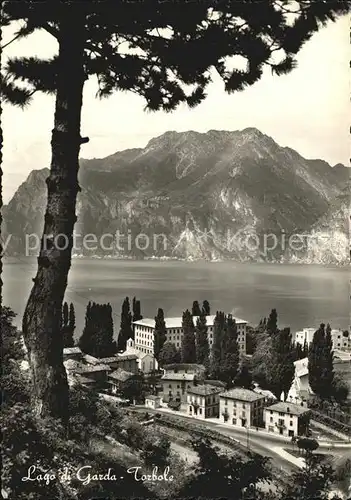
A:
x,y
42,317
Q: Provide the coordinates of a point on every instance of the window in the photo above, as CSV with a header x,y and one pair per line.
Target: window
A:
x,y
291,423
234,421
226,402
244,406
170,386
234,404
200,411
178,386
271,419
243,414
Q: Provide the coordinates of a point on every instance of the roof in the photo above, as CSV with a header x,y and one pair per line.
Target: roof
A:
x,y
291,408
121,375
126,356
92,368
176,322
184,366
117,358
72,364
152,397
242,395
215,383
83,380
205,390
178,376
91,359
72,350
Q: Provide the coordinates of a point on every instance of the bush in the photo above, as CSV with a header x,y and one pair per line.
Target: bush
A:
x,y
174,405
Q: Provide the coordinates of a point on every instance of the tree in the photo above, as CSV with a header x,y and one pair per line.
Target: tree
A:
x,y
307,444
320,363
168,354
68,325
313,482
97,337
159,332
217,345
281,369
230,352
133,388
126,330
196,311
188,339
272,322
206,307
169,48
201,338
156,452
220,474
136,310
244,377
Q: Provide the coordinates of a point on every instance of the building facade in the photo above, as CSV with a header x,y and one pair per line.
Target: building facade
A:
x,y
125,361
203,401
242,407
287,419
179,378
146,361
144,333
341,340
300,389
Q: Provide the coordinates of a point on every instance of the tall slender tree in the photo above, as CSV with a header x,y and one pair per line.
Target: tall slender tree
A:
x,y
230,352
206,307
320,363
196,310
126,329
281,367
188,339
136,310
272,322
201,339
217,346
97,337
152,52
159,332
68,325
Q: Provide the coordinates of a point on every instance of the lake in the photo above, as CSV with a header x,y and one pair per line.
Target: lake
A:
x,y
304,295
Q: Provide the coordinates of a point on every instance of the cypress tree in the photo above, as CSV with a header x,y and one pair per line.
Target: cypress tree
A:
x,y
201,338
159,333
188,339
126,330
230,352
136,310
70,324
281,369
196,311
272,323
216,351
97,338
316,361
206,307
328,366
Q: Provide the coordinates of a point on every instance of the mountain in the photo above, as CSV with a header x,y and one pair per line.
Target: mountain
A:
x,y
191,195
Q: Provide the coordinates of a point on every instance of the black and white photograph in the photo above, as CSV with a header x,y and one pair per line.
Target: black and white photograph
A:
x,y
175,250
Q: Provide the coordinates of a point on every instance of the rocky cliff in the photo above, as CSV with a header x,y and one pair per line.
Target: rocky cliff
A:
x,y
218,195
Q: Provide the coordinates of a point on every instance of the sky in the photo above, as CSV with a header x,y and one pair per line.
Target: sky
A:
x,y
307,110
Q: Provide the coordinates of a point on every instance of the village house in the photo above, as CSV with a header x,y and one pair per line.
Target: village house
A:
x,y
242,407
152,401
144,332
90,374
287,419
96,372
118,378
203,401
127,362
146,361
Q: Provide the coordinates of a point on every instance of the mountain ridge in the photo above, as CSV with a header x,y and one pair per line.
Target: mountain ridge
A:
x,y
185,185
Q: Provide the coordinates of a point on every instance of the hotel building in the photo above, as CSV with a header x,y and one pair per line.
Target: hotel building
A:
x,y
144,332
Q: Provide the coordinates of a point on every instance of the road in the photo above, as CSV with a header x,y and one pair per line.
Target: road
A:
x,y
272,446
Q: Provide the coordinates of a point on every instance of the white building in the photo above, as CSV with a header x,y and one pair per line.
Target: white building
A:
x,y
242,407
144,332
152,401
305,335
341,340
287,419
146,360
300,389
203,401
